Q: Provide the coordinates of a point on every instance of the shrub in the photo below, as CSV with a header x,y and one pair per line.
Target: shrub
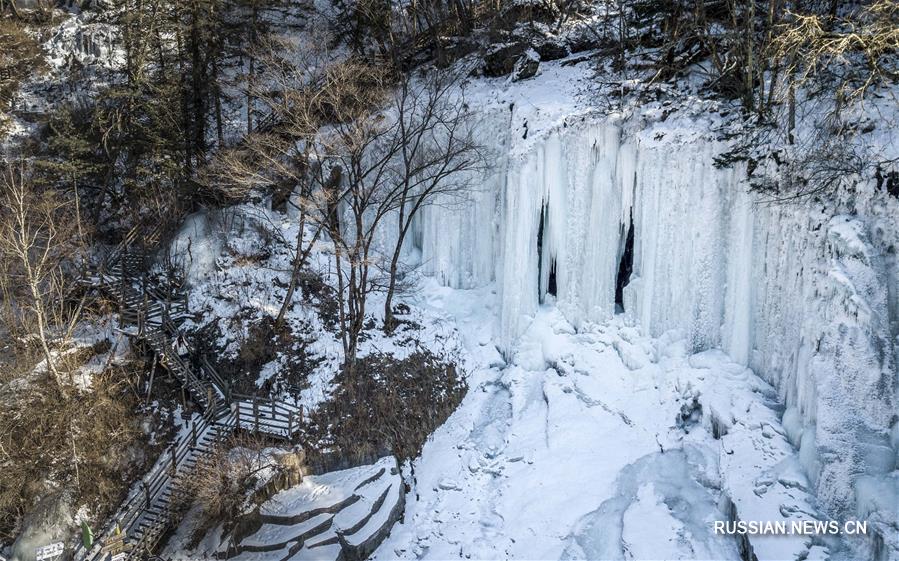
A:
x,y
385,405
225,479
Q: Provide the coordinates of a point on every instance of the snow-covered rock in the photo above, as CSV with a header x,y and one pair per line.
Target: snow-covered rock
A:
x,y
337,515
569,452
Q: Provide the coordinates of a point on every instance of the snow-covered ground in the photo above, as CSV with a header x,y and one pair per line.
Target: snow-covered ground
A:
x,y
597,443
337,515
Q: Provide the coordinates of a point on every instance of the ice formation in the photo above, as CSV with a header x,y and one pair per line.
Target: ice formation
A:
x,y
803,293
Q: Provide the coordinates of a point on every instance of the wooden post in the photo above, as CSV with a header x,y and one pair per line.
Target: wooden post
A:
x,y
174,460
256,413
193,434
152,374
144,306
122,289
289,424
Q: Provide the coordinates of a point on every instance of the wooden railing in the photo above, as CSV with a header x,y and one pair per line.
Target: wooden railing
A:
x,y
150,509
177,468
164,476
268,416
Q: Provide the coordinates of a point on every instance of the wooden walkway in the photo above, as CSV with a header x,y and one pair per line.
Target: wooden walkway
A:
x,y
154,314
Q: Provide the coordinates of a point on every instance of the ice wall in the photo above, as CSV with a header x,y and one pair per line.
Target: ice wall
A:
x,y
804,293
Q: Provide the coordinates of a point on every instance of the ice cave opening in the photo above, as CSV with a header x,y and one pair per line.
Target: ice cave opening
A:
x,y
625,265
549,285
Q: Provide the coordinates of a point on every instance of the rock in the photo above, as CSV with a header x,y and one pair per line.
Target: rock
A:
x,y
583,41
531,11
340,515
459,48
501,61
527,66
551,50
51,521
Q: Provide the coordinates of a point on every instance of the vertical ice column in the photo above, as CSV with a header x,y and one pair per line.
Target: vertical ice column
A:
x,y
610,189
571,184
553,193
681,239
458,236
523,202
736,329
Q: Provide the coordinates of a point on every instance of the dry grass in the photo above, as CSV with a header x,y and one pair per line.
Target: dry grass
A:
x,y
54,438
811,43
20,57
226,479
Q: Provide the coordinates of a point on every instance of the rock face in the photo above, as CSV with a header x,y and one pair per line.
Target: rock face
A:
x,y
342,515
551,50
527,66
501,61
43,526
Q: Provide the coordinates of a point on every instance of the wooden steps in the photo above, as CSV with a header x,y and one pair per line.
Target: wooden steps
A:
x,y
151,508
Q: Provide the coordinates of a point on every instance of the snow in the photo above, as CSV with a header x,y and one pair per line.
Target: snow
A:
x,y
325,490
568,452
802,292
587,434
272,534
327,516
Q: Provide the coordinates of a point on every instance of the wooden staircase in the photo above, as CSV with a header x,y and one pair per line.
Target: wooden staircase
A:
x,y
204,391
154,313
156,503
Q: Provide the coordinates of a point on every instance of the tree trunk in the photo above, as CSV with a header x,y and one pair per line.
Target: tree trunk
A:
x,y
251,77
298,261
219,131
42,331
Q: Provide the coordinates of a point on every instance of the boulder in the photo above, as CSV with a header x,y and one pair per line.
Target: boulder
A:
x,y
551,50
526,67
501,61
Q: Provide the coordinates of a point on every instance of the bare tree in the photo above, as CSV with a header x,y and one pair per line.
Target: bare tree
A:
x,y
812,43
290,78
38,237
332,150
356,146
436,159
350,162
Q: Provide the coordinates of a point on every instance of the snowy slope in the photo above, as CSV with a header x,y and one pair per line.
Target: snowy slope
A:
x,y
573,417
598,444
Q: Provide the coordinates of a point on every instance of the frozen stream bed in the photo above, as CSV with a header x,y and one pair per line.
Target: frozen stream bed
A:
x,y
598,443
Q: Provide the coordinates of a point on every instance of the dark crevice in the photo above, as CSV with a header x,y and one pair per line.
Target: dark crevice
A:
x,y
625,267
540,250
551,284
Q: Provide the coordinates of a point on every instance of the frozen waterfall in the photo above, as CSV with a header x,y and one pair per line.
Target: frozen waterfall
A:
x,y
799,292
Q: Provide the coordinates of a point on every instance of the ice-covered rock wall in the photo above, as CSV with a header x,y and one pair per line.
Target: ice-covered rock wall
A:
x,y
804,293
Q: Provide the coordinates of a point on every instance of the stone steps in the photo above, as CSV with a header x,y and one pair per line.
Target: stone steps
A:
x,y
338,515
